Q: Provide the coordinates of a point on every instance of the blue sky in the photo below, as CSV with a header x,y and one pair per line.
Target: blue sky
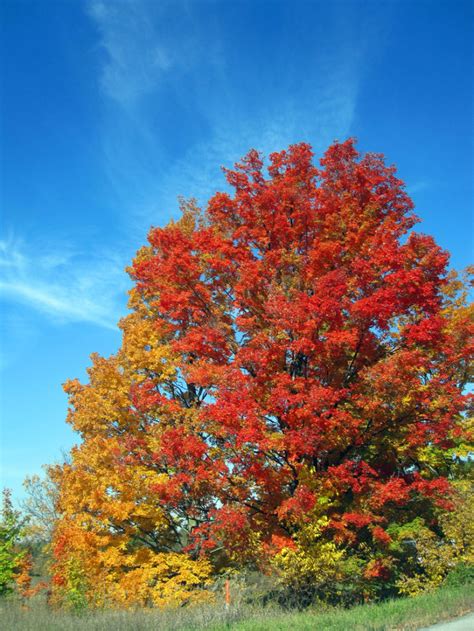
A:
x,y
110,110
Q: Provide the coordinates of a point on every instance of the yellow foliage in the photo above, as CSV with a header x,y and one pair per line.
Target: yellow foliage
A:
x,y
313,559
114,543
437,556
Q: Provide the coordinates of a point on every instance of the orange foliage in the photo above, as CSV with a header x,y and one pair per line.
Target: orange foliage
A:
x,y
294,356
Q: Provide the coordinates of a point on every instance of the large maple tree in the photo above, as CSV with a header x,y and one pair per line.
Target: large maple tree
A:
x,y
290,388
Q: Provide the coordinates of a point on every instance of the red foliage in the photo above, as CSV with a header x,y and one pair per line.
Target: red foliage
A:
x,y
312,337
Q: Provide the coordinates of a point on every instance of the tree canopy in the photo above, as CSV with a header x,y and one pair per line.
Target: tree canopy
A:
x,y
289,393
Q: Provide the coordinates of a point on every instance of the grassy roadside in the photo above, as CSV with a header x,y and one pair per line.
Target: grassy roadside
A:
x,y
402,614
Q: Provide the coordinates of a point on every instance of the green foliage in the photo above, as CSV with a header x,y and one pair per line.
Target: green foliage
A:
x,y
427,556
75,594
462,574
11,530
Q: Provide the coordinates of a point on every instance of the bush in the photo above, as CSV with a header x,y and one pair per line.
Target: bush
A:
x,y
462,574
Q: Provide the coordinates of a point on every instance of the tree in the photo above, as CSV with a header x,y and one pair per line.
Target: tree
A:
x,y
289,386
114,541
12,557
40,506
447,551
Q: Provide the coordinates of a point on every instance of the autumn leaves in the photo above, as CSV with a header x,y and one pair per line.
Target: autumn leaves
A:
x,y
288,395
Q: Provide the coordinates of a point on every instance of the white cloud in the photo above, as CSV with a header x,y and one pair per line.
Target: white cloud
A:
x,y
197,172
135,59
161,56
64,285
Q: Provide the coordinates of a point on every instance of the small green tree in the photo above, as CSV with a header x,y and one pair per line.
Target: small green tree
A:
x,y
11,556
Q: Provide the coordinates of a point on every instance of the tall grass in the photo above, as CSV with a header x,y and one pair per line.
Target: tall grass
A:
x,y
401,614
406,614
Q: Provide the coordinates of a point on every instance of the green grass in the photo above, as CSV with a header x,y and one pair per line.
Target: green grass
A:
x,y
402,614
406,614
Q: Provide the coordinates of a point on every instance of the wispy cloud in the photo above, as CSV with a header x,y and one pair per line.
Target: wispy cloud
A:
x,y
418,186
64,285
162,66
134,56
166,71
